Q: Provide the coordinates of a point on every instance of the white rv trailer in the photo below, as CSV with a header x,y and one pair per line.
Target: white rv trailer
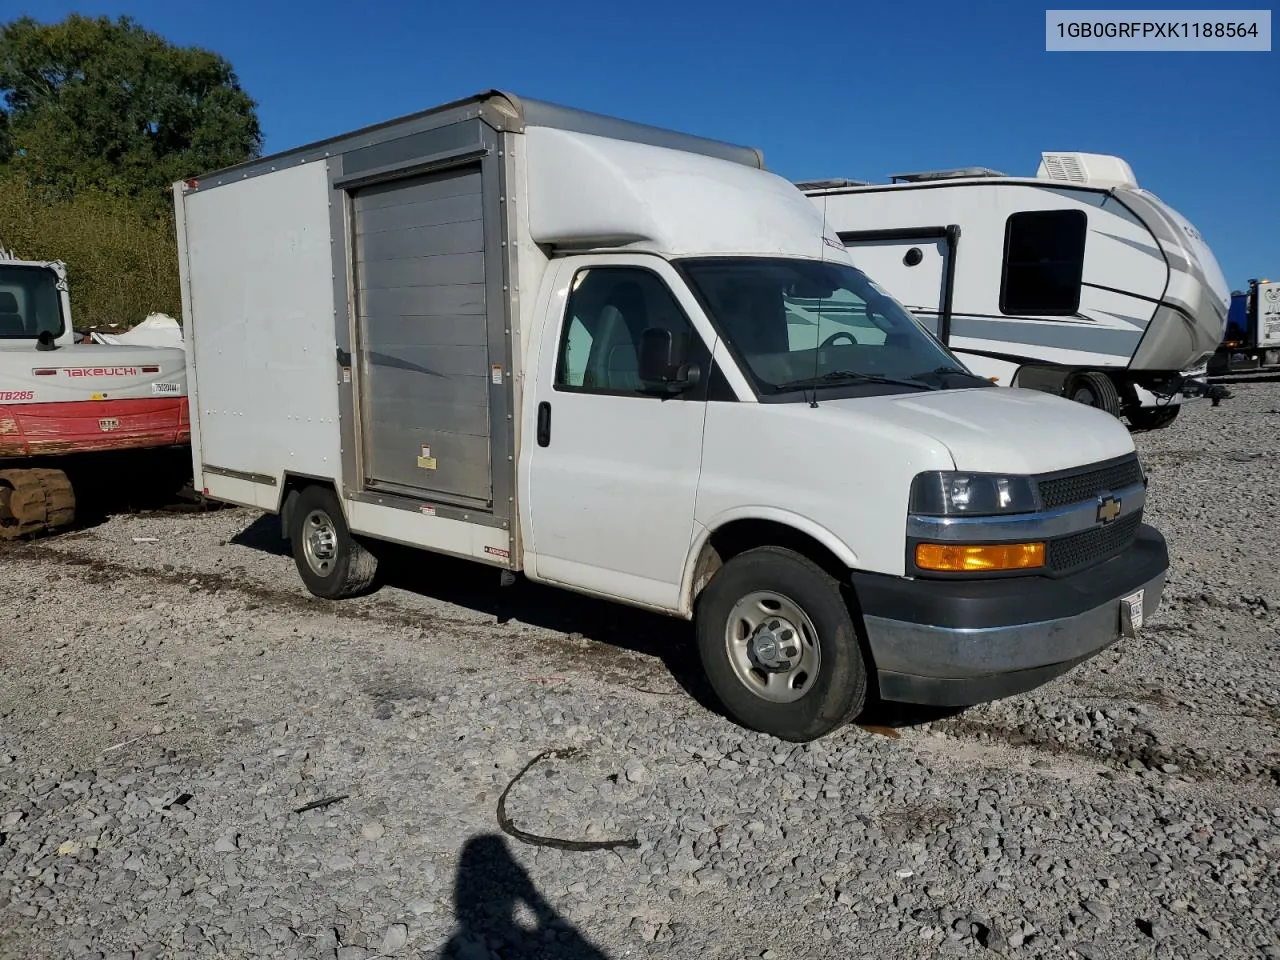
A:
x,y
587,350
1076,281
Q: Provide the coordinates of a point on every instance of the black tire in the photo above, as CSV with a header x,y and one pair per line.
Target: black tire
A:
x,y
344,567
1094,389
838,690
1153,418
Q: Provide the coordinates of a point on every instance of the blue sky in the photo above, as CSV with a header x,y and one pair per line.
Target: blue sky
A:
x,y
824,88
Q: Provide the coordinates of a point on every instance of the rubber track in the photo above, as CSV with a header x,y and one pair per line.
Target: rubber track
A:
x,y
37,500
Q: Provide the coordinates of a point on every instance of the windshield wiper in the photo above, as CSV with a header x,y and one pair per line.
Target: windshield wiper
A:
x,y
953,372
836,376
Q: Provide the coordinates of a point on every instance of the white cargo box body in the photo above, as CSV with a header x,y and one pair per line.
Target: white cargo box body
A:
x,y
399,244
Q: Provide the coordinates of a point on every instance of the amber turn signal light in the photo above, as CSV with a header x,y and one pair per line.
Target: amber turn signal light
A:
x,y
972,558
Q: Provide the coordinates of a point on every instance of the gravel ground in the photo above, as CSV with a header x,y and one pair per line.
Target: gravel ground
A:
x,y
172,702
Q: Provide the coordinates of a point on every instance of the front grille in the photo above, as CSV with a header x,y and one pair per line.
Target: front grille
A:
x,y
1091,546
1059,491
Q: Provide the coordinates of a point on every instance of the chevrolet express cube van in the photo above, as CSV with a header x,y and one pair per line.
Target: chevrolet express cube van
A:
x,y
635,364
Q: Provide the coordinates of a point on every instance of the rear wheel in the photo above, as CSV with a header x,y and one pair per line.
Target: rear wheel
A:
x,y
331,562
1094,389
1153,418
779,645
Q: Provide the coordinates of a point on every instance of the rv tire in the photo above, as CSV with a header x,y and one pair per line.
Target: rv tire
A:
x,y
1094,389
779,645
332,563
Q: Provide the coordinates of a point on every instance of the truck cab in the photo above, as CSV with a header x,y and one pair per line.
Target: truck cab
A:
x,y
637,365
1251,338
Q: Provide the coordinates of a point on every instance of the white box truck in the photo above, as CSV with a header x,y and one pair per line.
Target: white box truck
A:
x,y
633,363
1252,336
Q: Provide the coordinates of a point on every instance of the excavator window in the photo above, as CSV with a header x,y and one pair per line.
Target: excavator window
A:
x,y
29,302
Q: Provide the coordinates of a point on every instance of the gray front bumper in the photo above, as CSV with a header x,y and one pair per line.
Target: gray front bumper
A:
x,y
954,642
947,666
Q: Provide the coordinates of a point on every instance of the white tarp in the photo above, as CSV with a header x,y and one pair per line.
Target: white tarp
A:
x,y
158,330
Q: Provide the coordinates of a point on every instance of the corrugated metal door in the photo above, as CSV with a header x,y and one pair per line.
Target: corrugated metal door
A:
x,y
423,334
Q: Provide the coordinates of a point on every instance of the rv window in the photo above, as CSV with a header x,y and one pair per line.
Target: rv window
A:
x,y
608,311
1043,263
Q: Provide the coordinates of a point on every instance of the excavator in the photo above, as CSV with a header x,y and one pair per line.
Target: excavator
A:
x,y
63,401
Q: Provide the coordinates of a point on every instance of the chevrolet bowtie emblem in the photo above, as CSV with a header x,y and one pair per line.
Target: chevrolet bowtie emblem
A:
x,y
1108,509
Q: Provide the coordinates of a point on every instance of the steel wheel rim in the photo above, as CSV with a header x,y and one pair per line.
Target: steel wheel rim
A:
x,y
773,646
1086,396
319,542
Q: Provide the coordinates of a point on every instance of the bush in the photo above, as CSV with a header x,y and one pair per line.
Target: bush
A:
x,y
121,256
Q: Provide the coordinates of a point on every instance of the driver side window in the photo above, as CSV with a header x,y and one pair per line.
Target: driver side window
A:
x,y
609,309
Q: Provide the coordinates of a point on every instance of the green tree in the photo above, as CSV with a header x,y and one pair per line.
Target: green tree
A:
x,y
94,104
120,253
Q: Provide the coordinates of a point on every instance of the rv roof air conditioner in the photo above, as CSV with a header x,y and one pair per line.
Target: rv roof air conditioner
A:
x,y
1094,169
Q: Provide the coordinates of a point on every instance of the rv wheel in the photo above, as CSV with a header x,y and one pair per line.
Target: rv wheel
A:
x,y
1152,418
1094,389
331,562
779,646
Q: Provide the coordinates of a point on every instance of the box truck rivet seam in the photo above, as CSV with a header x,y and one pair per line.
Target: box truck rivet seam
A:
x,y
635,364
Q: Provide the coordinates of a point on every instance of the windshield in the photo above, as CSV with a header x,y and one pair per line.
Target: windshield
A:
x,y
800,324
29,302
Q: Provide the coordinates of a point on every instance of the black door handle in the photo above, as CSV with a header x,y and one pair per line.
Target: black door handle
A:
x,y
544,424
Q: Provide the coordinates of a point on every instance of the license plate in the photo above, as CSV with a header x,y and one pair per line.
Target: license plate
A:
x,y
1131,614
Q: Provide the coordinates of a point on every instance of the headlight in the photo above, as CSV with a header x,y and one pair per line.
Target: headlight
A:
x,y
947,494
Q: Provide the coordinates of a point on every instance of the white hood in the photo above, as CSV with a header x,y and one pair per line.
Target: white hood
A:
x,y
1002,429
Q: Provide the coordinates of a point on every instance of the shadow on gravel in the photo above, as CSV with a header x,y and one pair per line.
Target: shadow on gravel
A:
x,y
264,535
475,587
894,716
124,482
1270,375
489,888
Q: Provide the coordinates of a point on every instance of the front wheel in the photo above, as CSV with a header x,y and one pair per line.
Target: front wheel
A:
x,y
331,562
779,645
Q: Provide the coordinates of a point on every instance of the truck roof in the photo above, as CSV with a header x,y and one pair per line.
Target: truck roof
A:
x,y
505,111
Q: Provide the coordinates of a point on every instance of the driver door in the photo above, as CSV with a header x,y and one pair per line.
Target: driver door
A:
x,y
612,470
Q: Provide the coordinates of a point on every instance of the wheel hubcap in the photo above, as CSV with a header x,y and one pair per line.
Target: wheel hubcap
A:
x,y
319,542
773,646
1084,395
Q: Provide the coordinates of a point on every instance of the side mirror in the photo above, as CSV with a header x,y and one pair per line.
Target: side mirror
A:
x,y
664,361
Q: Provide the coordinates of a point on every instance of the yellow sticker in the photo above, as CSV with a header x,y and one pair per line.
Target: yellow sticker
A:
x,y
99,396
427,463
